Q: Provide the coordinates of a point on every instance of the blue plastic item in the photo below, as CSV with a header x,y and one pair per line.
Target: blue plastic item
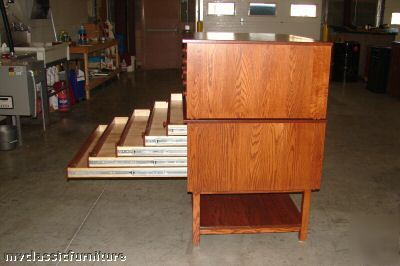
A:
x,y
82,35
121,43
78,88
96,59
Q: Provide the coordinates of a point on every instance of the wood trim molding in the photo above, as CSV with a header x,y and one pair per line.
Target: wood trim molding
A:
x,y
102,140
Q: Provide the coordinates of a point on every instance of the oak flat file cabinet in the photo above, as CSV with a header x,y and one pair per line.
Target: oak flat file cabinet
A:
x,y
256,113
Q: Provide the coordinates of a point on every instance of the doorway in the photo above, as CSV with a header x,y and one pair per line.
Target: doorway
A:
x,y
161,34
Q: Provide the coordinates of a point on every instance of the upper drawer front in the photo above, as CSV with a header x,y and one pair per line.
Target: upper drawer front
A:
x,y
254,157
257,81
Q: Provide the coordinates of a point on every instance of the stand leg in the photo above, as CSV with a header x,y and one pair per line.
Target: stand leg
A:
x,y
66,70
305,213
16,121
45,105
117,61
86,67
196,219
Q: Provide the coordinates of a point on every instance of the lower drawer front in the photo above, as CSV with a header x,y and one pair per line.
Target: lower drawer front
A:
x,y
250,157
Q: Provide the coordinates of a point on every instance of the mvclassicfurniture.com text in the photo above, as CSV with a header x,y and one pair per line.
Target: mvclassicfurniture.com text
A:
x,y
69,256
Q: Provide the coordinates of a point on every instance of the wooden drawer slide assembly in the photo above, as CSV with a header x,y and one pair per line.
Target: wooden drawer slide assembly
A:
x,y
135,147
156,135
159,143
176,116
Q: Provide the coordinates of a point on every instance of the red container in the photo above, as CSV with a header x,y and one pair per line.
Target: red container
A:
x,y
63,101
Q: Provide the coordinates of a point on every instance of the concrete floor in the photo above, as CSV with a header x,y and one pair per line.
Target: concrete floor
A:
x,y
355,218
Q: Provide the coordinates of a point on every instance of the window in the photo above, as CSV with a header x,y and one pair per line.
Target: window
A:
x,y
221,9
395,18
301,10
262,9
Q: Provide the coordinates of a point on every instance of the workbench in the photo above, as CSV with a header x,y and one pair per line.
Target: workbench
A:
x,y
85,50
256,114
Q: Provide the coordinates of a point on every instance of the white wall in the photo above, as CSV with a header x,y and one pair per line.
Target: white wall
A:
x,y
68,15
281,23
390,7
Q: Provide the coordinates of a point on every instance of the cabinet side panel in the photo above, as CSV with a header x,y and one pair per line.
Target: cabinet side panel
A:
x,y
257,81
254,157
320,81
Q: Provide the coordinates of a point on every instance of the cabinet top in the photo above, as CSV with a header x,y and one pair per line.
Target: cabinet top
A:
x,y
231,37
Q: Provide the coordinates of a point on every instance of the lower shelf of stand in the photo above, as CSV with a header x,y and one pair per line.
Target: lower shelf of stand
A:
x,y
248,213
96,81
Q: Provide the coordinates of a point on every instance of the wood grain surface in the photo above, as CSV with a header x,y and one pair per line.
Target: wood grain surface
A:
x,y
158,119
247,213
250,38
175,111
135,128
240,80
305,214
81,157
92,47
196,219
106,146
254,157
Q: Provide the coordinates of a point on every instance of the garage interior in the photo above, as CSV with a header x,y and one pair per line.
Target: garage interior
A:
x,y
354,216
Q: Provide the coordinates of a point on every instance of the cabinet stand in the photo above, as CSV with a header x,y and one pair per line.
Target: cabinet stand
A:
x,y
215,214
